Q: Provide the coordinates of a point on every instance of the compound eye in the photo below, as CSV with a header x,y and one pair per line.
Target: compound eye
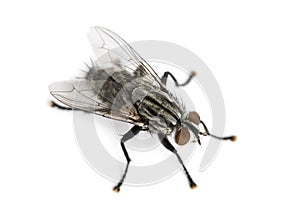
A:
x,y
182,136
194,117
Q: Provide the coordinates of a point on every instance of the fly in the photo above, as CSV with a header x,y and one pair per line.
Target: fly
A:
x,y
124,87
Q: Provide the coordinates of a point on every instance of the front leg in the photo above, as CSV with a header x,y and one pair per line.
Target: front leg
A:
x,y
231,138
166,74
164,140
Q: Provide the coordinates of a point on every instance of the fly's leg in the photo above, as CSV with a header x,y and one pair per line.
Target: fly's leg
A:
x,y
130,134
164,140
53,104
231,138
166,74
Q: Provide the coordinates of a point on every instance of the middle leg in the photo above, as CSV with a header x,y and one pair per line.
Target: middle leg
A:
x,y
130,134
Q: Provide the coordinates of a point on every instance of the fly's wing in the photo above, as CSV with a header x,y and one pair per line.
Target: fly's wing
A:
x,y
80,95
112,51
121,65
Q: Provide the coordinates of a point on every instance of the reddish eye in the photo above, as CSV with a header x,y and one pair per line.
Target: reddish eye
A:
x,y
194,117
182,136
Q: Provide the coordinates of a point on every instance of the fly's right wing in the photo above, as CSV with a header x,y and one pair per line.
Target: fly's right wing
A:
x,y
112,51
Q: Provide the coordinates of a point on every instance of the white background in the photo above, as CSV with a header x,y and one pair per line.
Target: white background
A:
x,y
252,48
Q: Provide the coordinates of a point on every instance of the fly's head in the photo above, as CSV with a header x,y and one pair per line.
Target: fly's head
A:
x,y
189,124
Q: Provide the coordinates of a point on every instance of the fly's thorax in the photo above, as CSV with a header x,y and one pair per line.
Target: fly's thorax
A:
x,y
139,93
159,109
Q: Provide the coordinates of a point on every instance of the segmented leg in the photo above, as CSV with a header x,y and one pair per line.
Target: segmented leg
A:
x,y
164,140
130,134
166,74
231,138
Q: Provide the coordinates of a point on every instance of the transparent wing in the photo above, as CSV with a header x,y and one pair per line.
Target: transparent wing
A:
x,y
112,50
80,94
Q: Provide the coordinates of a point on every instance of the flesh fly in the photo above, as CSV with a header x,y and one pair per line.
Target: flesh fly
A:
x,y
122,86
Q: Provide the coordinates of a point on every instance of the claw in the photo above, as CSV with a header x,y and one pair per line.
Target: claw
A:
x,y
116,189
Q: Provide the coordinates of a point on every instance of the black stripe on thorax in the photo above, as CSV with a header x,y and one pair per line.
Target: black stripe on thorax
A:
x,y
154,101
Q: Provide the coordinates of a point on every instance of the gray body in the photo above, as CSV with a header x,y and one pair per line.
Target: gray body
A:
x,y
153,106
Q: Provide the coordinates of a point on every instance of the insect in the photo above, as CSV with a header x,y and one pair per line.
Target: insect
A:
x,y
124,87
